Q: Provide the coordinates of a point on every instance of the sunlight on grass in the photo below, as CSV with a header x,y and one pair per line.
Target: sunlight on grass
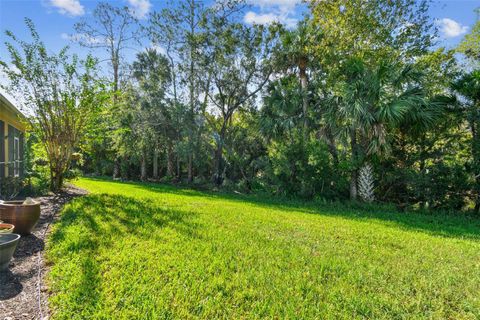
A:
x,y
142,251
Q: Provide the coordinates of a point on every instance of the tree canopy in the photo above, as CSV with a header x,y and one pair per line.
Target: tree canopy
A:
x,y
357,101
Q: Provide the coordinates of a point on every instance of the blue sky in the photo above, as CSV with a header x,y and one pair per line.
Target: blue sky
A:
x,y
55,18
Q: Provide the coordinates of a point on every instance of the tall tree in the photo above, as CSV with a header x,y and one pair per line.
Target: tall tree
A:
x,y
367,32
59,91
152,73
238,59
468,86
112,30
400,29
371,101
296,55
180,30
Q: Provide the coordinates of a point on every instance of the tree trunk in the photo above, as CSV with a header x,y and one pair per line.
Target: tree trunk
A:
x,y
143,166
332,147
190,167
116,168
353,185
155,163
247,180
217,171
423,156
366,183
56,179
116,163
218,167
354,173
192,90
218,158
115,65
179,174
170,164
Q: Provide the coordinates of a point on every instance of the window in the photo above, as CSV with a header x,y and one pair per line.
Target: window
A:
x,y
15,152
16,157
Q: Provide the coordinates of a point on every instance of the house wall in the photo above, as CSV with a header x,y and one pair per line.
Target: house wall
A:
x,y
12,126
2,148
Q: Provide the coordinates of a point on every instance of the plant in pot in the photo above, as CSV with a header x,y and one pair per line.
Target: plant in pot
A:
x,y
23,214
6,227
8,244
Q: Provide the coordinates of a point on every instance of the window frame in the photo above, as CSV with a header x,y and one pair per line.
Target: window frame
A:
x,y
16,156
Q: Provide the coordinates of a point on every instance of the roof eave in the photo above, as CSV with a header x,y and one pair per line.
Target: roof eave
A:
x,y
10,106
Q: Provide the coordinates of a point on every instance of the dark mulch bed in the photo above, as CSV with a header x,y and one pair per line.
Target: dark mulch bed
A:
x,y
23,294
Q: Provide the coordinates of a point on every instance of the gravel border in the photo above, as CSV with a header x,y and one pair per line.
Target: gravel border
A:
x,y
23,294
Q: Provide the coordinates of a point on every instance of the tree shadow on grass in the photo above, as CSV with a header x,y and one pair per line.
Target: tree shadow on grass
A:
x,y
459,225
117,215
99,222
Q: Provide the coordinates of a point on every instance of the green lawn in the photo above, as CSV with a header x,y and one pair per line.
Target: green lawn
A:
x,y
146,251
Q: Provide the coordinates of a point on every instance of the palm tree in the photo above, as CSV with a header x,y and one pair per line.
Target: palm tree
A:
x,y
468,87
370,101
296,55
281,113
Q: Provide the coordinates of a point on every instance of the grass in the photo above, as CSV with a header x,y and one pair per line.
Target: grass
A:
x,y
146,251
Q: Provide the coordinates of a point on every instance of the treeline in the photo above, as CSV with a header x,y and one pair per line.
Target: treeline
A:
x,y
357,101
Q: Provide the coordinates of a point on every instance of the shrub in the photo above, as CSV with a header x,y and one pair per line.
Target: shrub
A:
x,y
10,187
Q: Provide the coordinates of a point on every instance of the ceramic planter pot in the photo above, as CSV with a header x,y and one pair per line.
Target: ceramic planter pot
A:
x,y
8,244
6,228
23,216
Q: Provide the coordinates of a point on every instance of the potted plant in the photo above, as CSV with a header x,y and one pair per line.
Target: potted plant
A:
x,y
23,215
6,227
8,244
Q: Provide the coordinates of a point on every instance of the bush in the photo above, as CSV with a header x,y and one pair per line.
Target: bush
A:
x,y
304,171
72,174
36,186
10,187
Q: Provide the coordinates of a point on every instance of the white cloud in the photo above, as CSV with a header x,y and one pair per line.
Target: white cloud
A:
x,y
284,4
282,11
451,28
68,7
140,8
267,18
254,18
